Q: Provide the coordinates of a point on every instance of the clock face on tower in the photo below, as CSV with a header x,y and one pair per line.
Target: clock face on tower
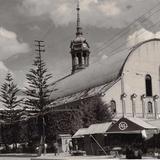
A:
x,y
84,45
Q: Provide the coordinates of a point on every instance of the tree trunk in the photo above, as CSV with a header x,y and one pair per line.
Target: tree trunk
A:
x,y
41,126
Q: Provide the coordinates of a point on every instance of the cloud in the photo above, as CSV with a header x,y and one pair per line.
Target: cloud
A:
x,y
104,57
3,67
63,12
34,28
3,71
100,13
9,44
140,36
110,8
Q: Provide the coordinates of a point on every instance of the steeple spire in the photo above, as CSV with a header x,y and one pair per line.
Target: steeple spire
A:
x,y
79,48
79,29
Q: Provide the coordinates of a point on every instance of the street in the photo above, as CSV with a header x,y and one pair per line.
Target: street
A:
x,y
15,158
62,158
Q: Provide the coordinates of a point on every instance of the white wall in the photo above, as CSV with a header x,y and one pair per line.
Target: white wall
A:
x,y
114,94
142,61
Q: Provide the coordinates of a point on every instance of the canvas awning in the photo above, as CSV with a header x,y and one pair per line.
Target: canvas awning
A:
x,y
80,133
128,125
99,128
155,122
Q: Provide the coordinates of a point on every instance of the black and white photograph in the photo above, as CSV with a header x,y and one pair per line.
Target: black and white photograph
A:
x,y
79,79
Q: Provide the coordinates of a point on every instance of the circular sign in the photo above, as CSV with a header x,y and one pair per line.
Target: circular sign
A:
x,y
123,125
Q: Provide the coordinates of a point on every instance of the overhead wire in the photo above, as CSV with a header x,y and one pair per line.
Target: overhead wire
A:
x,y
114,38
107,45
116,49
52,110
120,34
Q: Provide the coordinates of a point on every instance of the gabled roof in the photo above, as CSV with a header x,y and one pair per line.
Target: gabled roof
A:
x,y
97,74
80,133
98,128
141,123
130,125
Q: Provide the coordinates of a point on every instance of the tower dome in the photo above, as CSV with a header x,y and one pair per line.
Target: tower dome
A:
x,y
79,48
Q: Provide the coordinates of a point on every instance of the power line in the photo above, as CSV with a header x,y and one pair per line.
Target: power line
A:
x,y
40,49
112,51
40,46
132,38
120,34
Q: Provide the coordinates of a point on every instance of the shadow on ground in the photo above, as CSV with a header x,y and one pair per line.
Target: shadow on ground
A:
x,y
18,155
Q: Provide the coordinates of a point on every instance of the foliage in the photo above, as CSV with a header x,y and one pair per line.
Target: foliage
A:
x,y
10,101
12,110
94,111
80,114
62,122
38,93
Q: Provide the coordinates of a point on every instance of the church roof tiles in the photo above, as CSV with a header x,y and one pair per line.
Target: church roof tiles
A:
x,y
92,80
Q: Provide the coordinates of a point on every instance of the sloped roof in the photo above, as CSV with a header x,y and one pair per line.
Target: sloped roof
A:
x,y
130,125
155,123
80,133
141,123
99,128
97,74
82,94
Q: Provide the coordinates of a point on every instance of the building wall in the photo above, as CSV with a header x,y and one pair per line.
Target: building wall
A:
x,y
142,61
114,94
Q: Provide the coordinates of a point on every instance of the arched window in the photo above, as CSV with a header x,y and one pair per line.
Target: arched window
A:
x,y
113,106
150,107
148,81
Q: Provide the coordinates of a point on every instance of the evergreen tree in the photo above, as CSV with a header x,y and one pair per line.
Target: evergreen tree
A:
x,y
10,100
12,110
38,92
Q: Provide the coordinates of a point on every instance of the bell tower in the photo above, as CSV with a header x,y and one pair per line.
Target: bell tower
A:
x,y
79,48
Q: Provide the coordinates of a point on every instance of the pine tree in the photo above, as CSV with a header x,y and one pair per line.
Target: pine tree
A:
x,y
38,92
12,109
10,99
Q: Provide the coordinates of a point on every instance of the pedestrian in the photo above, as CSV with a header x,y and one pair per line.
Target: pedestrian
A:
x,y
55,148
140,154
70,146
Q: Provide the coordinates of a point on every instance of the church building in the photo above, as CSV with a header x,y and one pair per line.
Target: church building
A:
x,y
127,83
129,79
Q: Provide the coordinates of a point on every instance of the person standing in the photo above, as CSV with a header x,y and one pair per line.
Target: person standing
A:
x,y
55,148
70,146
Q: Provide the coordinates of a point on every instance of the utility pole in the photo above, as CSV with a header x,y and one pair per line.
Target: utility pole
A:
x,y
40,49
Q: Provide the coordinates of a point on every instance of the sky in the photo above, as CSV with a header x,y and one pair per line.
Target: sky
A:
x,y
54,21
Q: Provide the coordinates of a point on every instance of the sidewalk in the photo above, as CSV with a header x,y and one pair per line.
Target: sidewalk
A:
x,y
52,157
69,157
17,155
64,156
